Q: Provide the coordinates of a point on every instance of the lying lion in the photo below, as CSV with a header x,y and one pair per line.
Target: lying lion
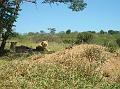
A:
x,y
42,46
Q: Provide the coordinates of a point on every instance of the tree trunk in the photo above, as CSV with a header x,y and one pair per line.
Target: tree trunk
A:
x,y
2,47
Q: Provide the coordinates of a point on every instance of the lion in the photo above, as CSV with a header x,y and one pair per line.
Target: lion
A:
x,y
42,46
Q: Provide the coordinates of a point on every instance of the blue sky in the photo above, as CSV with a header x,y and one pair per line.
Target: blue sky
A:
x,y
99,14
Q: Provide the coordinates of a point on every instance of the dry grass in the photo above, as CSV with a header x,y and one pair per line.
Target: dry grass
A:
x,y
80,67
84,54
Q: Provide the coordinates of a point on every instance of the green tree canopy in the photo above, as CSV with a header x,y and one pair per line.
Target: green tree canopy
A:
x,y
75,5
52,30
68,31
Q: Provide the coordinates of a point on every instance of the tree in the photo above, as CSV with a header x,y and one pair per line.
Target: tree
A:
x,y
102,32
61,32
9,12
42,31
52,30
110,32
91,31
68,31
116,32
75,5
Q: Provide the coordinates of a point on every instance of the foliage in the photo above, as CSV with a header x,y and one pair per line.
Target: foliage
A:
x,y
91,31
102,32
52,30
42,31
68,38
118,41
43,37
75,5
112,45
61,37
84,37
8,15
112,32
68,31
108,43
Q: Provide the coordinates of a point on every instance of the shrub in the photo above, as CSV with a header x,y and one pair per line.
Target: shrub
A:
x,y
68,38
111,46
118,42
94,54
48,37
84,37
68,31
102,32
112,32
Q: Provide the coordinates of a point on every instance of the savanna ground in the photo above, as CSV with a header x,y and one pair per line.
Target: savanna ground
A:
x,y
82,66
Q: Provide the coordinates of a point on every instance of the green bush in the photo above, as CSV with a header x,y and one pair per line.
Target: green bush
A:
x,y
84,37
41,37
118,42
112,45
68,38
68,31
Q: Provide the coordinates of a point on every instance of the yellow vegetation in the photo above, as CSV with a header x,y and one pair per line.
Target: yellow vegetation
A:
x,y
106,63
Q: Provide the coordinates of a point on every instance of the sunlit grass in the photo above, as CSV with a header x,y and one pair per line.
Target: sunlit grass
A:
x,y
17,71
